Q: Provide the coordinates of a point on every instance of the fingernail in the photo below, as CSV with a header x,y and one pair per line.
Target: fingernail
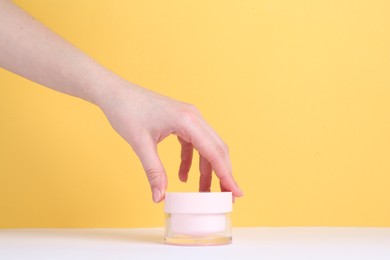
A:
x,y
156,195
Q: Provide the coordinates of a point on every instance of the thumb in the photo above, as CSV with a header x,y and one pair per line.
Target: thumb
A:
x,y
147,153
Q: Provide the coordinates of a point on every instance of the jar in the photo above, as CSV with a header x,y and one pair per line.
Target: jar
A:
x,y
198,218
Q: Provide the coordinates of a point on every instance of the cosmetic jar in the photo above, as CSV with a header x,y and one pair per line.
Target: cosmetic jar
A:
x,y
198,218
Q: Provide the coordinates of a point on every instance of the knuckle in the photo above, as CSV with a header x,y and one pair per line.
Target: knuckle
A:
x,y
225,147
191,108
223,178
221,150
188,118
186,160
153,175
189,111
215,158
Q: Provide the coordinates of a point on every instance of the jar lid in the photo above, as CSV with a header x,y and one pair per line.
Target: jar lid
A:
x,y
198,202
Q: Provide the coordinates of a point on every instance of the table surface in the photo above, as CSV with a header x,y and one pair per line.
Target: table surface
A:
x,y
248,243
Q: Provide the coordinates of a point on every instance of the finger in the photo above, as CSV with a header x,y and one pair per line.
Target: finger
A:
x,y
216,153
225,183
186,159
205,174
224,189
216,156
222,144
147,152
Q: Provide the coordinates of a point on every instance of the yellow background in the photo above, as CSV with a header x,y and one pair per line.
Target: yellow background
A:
x,y
300,90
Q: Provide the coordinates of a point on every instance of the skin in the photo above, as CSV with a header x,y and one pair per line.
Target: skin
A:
x,y
142,117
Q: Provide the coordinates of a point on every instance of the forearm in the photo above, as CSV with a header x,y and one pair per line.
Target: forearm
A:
x,y
31,50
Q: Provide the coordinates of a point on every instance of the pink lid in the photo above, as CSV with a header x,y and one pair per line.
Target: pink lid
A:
x,y
198,202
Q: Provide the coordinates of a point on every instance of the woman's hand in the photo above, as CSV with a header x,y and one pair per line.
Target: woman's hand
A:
x,y
144,118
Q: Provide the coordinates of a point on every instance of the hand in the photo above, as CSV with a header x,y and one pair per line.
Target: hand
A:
x,y
144,118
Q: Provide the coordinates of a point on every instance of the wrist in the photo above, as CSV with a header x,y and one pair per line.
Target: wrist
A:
x,y
112,91
102,87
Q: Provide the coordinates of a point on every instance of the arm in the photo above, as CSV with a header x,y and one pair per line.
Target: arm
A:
x,y
143,118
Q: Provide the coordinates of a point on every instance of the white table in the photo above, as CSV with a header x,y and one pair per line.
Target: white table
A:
x,y
248,243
